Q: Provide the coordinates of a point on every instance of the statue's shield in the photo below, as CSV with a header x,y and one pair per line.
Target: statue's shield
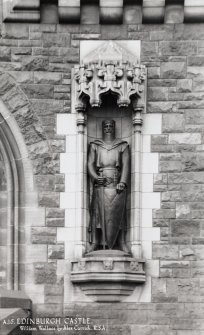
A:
x,y
114,213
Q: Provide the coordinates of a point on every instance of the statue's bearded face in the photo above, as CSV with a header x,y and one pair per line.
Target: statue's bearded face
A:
x,y
109,128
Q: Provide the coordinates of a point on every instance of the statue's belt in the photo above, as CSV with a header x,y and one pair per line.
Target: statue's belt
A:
x,y
110,179
101,169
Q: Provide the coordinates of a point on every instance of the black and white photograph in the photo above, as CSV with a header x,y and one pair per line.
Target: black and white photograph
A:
x,y
102,167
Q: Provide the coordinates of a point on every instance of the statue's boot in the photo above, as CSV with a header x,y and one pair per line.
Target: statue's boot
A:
x,y
92,247
121,243
123,247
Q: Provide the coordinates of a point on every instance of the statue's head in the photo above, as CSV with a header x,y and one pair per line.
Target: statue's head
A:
x,y
108,127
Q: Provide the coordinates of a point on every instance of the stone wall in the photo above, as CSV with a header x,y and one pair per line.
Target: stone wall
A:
x,y
38,59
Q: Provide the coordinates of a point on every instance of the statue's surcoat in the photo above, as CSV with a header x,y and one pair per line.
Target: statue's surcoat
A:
x,y
108,206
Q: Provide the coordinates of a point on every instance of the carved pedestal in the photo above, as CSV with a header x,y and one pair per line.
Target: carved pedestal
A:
x,y
107,275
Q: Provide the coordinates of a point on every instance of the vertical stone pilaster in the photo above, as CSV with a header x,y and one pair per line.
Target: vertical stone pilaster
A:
x,y
80,237
136,181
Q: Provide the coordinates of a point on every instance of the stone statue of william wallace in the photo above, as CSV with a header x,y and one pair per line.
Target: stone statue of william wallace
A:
x,y
109,168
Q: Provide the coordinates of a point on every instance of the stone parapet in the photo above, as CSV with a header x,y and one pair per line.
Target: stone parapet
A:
x,y
21,11
105,11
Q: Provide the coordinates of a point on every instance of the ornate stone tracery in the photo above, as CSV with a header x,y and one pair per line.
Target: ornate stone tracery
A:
x,y
123,79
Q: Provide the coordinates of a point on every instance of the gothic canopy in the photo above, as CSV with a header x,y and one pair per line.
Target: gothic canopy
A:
x,y
109,69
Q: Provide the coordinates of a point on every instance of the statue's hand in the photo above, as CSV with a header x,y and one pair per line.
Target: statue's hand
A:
x,y
101,180
120,187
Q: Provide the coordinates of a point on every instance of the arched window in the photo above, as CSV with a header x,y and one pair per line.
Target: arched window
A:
x,y
11,187
16,193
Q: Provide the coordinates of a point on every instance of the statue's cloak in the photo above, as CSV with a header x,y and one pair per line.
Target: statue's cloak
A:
x,y
108,206
112,204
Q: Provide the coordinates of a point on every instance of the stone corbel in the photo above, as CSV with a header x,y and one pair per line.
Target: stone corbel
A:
x,y
21,11
132,12
174,12
69,11
89,11
153,11
193,11
107,277
111,11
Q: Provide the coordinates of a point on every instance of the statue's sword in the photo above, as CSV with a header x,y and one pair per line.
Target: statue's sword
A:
x,y
103,213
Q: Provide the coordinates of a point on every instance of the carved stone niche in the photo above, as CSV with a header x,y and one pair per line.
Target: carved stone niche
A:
x,y
110,84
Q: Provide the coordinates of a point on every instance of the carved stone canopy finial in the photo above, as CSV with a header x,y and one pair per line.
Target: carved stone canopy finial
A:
x,y
110,51
109,70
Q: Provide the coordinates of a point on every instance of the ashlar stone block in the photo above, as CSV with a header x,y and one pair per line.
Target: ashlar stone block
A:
x,y
183,48
183,211
184,85
157,94
185,138
66,124
196,60
173,70
45,273
51,199
185,228
165,251
150,163
189,31
56,251
45,235
172,123
152,124
161,107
